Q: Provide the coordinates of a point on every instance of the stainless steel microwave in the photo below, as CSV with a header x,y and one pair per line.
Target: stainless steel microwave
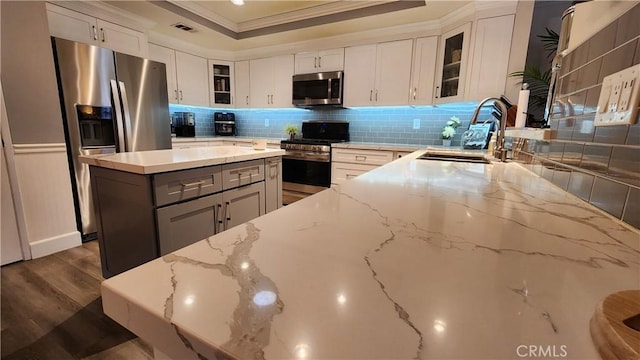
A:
x,y
324,88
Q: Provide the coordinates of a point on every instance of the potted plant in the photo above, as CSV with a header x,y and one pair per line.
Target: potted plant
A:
x,y
449,130
291,130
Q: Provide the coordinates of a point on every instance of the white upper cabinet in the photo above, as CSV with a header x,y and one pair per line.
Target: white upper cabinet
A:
x,y
243,84
378,74
191,73
271,82
221,83
168,57
359,71
72,25
186,76
452,64
319,61
393,73
490,60
423,72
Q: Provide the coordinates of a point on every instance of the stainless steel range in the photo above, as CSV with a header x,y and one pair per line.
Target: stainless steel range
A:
x,y
306,165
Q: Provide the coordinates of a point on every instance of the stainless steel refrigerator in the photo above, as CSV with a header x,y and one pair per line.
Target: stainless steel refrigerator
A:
x,y
111,102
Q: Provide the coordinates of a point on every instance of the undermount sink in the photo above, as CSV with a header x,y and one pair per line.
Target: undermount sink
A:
x,y
454,157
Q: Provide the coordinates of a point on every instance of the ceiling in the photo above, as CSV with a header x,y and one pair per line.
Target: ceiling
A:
x,y
220,25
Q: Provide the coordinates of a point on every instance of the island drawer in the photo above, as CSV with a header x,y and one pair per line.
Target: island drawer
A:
x,y
366,157
186,184
242,173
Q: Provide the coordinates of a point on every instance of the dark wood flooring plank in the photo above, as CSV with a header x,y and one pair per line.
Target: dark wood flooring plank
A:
x,y
68,279
135,349
51,309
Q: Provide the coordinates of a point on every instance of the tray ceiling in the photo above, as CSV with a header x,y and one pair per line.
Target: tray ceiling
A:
x,y
221,25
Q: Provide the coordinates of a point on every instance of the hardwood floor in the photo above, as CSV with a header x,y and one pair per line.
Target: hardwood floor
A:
x,y
51,309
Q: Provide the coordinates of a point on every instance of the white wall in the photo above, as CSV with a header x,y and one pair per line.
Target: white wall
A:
x,y
36,155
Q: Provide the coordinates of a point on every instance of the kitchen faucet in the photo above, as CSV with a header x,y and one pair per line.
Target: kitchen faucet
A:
x,y
499,151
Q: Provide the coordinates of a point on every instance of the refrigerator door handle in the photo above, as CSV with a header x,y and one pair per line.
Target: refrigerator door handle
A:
x,y
115,96
127,116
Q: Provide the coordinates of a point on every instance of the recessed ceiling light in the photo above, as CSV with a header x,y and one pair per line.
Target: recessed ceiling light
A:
x,y
237,2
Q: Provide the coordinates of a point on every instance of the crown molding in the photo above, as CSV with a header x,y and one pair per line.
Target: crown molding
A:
x,y
103,10
189,48
308,13
206,13
458,16
399,32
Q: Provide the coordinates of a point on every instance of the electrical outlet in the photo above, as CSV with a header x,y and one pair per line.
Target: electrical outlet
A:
x,y
619,98
416,124
266,122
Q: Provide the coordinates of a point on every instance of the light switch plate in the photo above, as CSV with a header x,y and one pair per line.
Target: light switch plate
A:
x,y
619,98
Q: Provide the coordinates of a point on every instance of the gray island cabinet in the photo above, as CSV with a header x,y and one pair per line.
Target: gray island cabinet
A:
x,y
145,212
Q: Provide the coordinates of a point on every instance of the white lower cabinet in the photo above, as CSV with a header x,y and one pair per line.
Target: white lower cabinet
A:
x,y
349,163
341,172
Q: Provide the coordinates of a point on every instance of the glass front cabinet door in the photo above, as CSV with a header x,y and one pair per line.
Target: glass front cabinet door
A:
x,y
452,64
221,83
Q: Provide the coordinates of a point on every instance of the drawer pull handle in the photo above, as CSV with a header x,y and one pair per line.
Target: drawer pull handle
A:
x,y
361,158
227,210
195,183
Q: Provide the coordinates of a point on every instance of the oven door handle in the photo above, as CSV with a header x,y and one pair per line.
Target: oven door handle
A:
x,y
306,156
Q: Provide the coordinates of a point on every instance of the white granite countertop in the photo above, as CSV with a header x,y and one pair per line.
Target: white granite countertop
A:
x,y
415,259
157,161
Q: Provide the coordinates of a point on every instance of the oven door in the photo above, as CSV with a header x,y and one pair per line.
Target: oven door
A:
x,y
303,177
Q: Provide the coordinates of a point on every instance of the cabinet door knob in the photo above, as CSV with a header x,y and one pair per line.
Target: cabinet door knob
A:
x,y
437,92
247,99
414,93
227,210
102,34
315,62
180,94
376,95
175,92
95,33
370,95
319,61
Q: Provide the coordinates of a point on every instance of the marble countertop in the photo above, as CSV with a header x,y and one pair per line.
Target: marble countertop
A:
x,y
229,138
416,259
376,146
157,161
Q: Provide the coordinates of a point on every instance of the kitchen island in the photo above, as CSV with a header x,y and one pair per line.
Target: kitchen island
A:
x,y
150,203
415,259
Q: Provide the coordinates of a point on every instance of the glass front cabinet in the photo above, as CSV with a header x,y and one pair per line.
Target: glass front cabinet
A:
x,y
452,64
221,83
